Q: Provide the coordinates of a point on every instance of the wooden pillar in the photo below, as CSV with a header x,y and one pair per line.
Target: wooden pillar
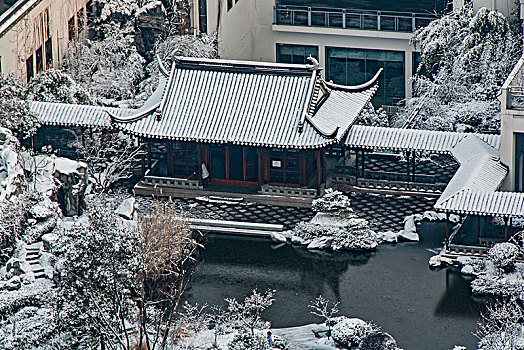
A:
x,y
260,168
447,231
356,167
143,157
227,161
170,165
407,163
414,157
505,228
319,170
199,151
149,160
323,166
478,227
363,164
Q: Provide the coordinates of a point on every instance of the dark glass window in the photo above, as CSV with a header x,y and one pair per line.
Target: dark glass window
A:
x,y
229,4
295,53
202,10
49,53
159,158
39,59
81,19
519,162
30,72
185,158
71,28
424,6
356,66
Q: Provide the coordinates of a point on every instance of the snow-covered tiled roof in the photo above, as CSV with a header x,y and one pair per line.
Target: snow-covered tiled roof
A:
x,y
509,204
472,190
63,114
249,103
372,137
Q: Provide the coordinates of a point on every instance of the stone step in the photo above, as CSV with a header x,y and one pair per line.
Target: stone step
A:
x,y
38,270
40,275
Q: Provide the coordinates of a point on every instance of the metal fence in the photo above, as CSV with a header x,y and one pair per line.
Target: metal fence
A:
x,y
350,19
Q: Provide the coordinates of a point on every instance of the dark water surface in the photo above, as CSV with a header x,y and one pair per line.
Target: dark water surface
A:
x,y
393,287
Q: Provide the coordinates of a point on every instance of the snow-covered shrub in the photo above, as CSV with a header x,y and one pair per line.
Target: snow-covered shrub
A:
x,y
247,341
54,85
373,117
332,202
501,326
504,255
350,331
14,109
354,235
378,341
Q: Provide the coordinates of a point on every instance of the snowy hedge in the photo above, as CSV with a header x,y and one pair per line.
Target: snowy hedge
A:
x,y
504,255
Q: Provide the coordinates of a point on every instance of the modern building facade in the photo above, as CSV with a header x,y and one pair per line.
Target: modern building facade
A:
x,y
35,34
351,39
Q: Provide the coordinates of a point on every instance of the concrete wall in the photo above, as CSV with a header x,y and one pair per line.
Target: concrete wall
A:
x,y
21,40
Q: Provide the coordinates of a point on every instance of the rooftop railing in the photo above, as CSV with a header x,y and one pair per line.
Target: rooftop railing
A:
x,y
351,18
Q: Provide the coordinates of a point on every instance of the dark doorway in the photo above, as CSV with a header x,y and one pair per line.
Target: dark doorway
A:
x,y
236,163
251,164
218,162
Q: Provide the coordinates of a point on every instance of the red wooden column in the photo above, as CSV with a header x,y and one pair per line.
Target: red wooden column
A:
x,y
260,168
170,165
199,150
319,171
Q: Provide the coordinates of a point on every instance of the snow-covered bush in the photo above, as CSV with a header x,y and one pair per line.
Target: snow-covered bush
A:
x,y
247,341
248,313
332,202
350,331
54,85
373,117
501,326
504,255
14,109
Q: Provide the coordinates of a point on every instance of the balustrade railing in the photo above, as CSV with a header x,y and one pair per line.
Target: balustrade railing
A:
x,y
350,18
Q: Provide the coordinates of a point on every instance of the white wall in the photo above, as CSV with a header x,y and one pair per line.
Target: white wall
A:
x,y
20,41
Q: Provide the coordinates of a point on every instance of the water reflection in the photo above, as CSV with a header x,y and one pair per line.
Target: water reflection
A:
x,y
393,287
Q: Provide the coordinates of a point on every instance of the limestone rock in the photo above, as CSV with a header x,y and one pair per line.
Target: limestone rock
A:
x,y
126,209
410,236
320,243
17,266
49,239
278,237
297,240
14,283
467,270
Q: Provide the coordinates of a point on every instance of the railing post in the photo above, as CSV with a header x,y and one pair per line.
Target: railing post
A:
x,y
326,19
344,19
309,16
378,20
275,15
361,21
413,22
292,17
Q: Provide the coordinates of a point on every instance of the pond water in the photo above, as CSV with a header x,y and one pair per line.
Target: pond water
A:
x,y
393,287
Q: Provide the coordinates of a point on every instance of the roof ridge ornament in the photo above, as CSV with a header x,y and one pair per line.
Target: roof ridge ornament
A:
x,y
354,88
161,67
